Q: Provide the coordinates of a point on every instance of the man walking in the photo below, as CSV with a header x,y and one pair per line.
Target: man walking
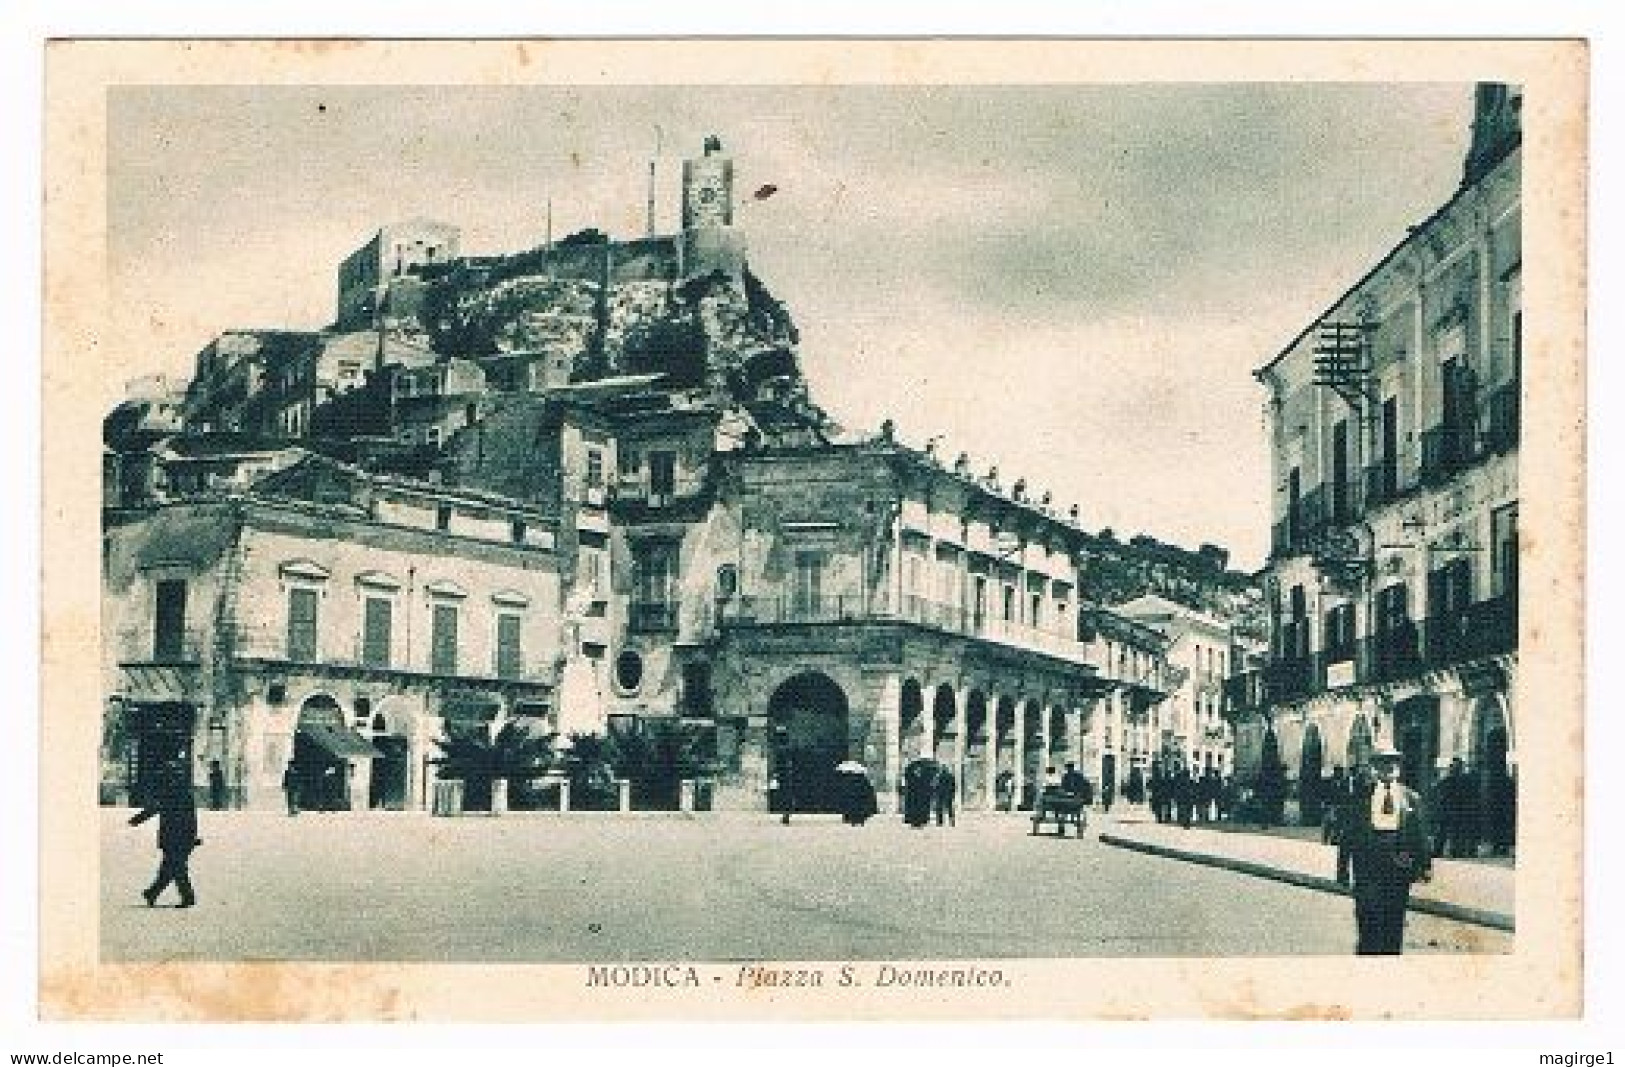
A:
x,y
177,837
1387,845
944,791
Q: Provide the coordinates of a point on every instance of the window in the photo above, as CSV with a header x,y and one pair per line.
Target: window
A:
x,y
1009,603
628,671
1388,479
662,473
509,660
655,572
1294,507
1393,608
1037,607
1504,551
629,464
169,619
442,517
516,531
978,601
806,589
697,698
443,639
1339,633
302,625
376,627
595,468
1341,509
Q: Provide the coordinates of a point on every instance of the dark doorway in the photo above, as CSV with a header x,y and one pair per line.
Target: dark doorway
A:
x,y
160,749
1416,735
809,737
911,722
387,788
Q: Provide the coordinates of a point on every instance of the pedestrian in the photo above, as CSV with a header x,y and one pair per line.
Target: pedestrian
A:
x,y
1452,810
918,779
1212,788
1073,781
290,789
1159,794
855,793
1387,844
177,837
1501,812
1004,789
944,790
1108,792
217,786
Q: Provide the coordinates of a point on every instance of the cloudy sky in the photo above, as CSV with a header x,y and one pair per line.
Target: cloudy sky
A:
x,y
1074,283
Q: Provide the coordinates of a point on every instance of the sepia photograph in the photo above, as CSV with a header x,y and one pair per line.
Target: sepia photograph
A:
x,y
821,537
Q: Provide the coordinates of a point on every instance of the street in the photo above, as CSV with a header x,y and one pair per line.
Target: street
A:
x,y
723,887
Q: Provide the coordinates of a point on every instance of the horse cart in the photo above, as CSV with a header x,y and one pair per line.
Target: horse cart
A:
x,y
1061,809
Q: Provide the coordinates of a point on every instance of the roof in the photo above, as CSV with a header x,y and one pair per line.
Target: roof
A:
x,y
225,443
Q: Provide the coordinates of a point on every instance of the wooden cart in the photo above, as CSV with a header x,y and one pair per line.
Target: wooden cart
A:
x,y
1061,809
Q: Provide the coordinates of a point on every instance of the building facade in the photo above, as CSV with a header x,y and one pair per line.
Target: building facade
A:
x,y
1191,728
325,623
1392,585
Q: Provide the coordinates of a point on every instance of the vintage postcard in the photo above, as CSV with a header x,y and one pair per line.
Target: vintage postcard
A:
x,y
769,530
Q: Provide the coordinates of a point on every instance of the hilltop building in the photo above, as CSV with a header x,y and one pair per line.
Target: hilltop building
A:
x,y
585,488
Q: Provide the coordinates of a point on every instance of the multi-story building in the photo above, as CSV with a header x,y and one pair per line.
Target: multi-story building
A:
x,y
1392,585
1190,727
321,619
379,279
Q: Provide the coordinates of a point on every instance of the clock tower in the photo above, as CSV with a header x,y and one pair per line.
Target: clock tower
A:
x,y
710,242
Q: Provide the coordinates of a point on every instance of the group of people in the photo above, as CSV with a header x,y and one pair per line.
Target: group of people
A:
x,y
1179,795
1473,811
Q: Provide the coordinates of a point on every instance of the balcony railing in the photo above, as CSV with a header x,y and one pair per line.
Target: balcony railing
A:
x,y
1390,655
1501,422
657,616
1381,482
1487,628
950,618
1446,450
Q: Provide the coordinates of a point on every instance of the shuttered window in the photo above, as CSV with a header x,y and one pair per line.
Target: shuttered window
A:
x,y
169,619
443,639
302,625
376,631
510,659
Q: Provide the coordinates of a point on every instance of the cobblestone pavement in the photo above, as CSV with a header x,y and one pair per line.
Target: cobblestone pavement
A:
x,y
722,887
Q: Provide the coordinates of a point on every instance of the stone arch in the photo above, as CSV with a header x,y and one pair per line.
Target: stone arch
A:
x,y
1060,748
1416,735
809,716
1007,757
1357,753
393,785
1034,752
323,746
911,721
1311,765
944,723
973,768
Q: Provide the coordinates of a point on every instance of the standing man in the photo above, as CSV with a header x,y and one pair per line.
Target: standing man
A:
x,y
290,788
1072,781
177,837
1387,842
217,786
945,789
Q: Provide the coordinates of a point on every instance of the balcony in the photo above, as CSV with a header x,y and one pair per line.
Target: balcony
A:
x,y
1487,628
1381,483
1502,419
655,616
1447,450
1390,655
1244,693
919,611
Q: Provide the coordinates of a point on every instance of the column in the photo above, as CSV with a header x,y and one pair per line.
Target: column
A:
x,y
883,753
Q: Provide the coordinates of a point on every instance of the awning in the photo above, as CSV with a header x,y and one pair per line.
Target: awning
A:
x,y
154,683
341,744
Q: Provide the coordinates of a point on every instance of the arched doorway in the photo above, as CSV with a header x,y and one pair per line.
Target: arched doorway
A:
x,y
1032,765
809,737
159,749
1004,732
1416,735
1311,759
973,771
391,768
1489,747
323,747
1060,748
1357,753
911,722
943,727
